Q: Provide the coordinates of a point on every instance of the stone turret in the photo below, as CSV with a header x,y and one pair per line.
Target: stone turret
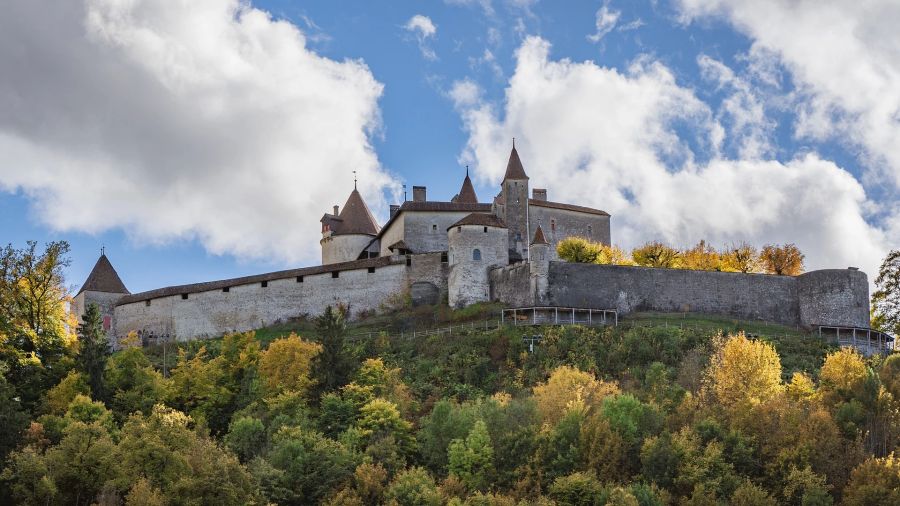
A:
x,y
477,244
104,288
539,266
347,234
512,205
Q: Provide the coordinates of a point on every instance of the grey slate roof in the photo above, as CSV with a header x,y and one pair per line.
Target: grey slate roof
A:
x,y
257,278
103,278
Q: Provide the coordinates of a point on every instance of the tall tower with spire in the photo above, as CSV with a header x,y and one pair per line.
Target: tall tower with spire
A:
x,y
512,205
104,288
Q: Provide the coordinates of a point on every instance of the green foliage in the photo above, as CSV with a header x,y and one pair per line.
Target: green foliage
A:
x,y
132,383
578,489
303,466
413,487
472,459
246,437
93,349
333,364
886,298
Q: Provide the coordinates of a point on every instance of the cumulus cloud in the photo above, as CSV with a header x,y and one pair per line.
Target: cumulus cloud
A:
x,y
202,120
616,140
423,29
606,22
844,58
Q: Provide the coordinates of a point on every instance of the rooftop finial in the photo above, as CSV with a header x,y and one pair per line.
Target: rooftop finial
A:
x,y
514,143
102,250
467,171
404,192
354,179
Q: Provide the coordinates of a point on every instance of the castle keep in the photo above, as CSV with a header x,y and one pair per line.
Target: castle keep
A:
x,y
464,251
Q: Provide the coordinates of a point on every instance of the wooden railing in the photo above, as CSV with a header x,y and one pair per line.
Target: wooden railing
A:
x,y
551,315
865,340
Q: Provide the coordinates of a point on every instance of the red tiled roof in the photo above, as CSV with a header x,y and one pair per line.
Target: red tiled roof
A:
x,y
466,193
356,218
514,169
539,237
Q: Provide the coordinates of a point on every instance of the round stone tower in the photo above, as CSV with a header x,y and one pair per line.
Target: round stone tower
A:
x,y
477,243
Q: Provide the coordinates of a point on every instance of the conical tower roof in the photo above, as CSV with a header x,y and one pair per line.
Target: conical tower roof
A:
x,y
104,278
356,217
514,169
539,237
467,192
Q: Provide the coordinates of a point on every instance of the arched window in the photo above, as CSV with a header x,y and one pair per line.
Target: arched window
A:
x,y
476,255
553,225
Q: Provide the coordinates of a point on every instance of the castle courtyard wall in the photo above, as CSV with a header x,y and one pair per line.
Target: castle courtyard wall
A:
x,y
427,231
512,285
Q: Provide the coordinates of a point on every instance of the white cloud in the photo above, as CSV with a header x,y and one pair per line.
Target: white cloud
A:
x,y
465,93
600,137
606,22
844,58
423,28
179,120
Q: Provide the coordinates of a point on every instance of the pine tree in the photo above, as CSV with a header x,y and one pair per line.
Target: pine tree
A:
x,y
332,363
93,348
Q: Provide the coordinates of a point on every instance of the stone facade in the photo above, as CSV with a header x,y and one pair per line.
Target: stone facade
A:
x,y
343,248
559,224
475,249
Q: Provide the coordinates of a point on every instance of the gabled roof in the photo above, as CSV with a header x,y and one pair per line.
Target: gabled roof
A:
x,y
103,278
480,219
355,217
514,169
467,192
539,237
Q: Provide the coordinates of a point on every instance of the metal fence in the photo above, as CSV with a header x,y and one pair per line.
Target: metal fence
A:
x,y
550,315
865,340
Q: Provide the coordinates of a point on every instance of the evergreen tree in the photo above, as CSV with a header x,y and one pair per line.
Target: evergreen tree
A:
x,y
333,365
93,348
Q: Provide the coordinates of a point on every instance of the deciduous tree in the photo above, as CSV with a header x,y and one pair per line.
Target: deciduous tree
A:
x,y
886,299
783,260
287,364
656,254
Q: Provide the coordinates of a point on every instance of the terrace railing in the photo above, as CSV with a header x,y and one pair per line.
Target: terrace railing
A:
x,y
551,315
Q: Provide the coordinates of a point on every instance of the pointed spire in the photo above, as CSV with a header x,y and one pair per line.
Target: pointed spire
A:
x,y
103,277
539,236
355,217
466,194
514,169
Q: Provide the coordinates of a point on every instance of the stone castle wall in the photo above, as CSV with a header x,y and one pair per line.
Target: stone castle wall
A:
x,y
830,297
343,248
474,251
250,306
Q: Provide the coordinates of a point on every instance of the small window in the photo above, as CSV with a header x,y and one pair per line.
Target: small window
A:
x,y
335,274
553,226
184,296
147,303
590,230
459,229
408,260
226,289
518,236
444,258
476,255
299,279
264,284
371,270
485,230
434,228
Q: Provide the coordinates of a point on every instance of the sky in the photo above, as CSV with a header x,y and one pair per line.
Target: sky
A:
x,y
204,139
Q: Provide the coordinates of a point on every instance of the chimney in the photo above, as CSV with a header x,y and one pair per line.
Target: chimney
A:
x,y
394,210
418,194
539,194
336,208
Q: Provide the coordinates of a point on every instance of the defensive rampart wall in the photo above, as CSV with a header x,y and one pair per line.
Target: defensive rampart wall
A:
x,y
827,297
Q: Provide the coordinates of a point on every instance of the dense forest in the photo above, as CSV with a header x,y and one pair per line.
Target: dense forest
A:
x,y
627,415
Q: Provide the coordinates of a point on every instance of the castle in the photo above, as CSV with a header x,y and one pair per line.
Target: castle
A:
x,y
463,251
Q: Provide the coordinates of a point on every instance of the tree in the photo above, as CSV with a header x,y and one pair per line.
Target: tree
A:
x,y
578,489
246,437
568,388
132,382
744,373
287,363
413,487
578,249
701,257
381,418
741,258
93,349
874,482
472,459
656,254
332,364
886,299
784,260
